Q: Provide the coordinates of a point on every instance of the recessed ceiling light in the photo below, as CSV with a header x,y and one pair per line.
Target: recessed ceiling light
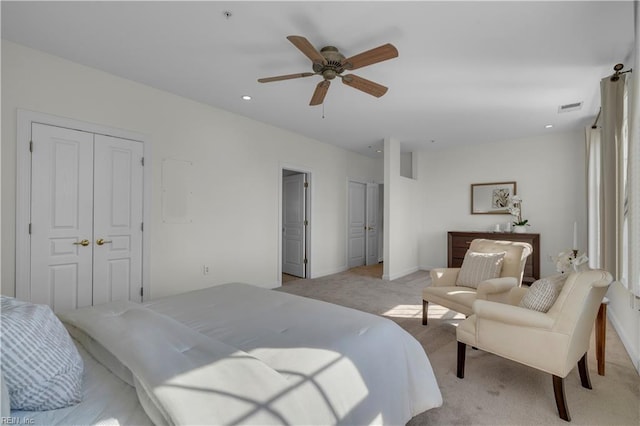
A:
x,y
548,126
379,151
246,97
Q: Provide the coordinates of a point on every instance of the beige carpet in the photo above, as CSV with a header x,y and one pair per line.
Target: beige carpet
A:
x,y
494,391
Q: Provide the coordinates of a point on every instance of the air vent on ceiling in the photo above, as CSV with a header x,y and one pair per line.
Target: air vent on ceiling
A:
x,y
570,107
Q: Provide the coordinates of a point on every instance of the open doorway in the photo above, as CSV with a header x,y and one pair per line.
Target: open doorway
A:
x,y
364,236
294,222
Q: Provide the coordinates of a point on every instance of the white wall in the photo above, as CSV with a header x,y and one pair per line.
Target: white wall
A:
x,y
237,167
401,216
549,172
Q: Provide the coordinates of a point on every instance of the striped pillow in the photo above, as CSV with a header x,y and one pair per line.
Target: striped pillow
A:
x,y
478,267
40,364
542,294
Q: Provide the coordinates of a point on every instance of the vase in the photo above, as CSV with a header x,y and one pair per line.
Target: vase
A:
x,y
519,229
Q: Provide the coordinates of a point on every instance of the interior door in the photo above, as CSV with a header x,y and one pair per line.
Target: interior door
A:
x,y
293,224
86,218
372,223
357,224
117,234
61,217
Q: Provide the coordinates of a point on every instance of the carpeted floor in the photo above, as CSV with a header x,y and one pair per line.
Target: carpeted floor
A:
x,y
494,391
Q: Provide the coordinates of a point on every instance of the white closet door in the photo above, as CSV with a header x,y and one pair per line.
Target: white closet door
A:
x,y
118,185
293,233
61,217
357,224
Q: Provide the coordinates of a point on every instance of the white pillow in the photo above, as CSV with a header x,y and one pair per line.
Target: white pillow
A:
x,y
478,267
40,364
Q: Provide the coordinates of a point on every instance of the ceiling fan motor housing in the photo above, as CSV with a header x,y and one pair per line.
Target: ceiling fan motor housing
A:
x,y
334,65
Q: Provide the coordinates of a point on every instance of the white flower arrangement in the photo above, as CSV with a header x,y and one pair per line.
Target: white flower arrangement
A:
x,y
515,209
570,260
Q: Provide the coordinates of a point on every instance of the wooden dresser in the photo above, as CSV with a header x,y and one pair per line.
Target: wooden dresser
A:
x,y
458,243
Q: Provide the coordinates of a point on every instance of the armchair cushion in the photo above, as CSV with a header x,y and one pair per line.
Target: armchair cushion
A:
x,y
478,267
444,276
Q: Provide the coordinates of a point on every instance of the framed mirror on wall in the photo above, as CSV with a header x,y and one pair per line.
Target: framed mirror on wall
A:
x,y
491,198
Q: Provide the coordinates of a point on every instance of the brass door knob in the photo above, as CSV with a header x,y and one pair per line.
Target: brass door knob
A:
x,y
83,243
101,241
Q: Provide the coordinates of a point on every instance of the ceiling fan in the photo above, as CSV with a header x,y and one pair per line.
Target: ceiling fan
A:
x,y
330,63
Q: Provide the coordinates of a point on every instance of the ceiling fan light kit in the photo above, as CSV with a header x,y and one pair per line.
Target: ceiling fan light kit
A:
x,y
330,63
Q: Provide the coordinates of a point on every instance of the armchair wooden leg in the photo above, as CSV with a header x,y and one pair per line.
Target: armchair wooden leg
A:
x,y
584,372
561,399
601,335
462,351
425,306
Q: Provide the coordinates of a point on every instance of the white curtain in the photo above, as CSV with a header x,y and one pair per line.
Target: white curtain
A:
x,y
607,178
595,198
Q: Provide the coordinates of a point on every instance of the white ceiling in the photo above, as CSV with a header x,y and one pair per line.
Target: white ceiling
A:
x,y
467,72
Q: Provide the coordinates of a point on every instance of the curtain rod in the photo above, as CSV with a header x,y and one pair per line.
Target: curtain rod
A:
x,y
617,71
614,77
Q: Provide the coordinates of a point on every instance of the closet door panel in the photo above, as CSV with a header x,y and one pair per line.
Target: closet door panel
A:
x,y
118,185
61,217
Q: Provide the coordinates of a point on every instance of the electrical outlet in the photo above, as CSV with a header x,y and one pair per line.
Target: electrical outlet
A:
x,y
205,269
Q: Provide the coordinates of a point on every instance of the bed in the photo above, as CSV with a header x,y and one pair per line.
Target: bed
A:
x,y
240,354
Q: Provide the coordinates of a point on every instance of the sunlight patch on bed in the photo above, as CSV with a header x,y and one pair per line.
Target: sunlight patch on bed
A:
x,y
272,390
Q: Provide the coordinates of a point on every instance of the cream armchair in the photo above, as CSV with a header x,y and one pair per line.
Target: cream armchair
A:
x,y
444,291
552,342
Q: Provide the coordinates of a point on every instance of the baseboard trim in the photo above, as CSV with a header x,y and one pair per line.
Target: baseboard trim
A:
x,y
626,341
329,272
429,267
401,274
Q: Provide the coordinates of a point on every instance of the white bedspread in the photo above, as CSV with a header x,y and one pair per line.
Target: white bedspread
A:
x,y
189,378
350,367
239,354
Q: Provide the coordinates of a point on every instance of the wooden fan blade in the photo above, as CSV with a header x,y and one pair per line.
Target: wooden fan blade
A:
x,y
365,85
285,77
373,56
307,48
320,92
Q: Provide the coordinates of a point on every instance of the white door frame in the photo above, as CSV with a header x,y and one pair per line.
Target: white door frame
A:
x,y
23,190
308,212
